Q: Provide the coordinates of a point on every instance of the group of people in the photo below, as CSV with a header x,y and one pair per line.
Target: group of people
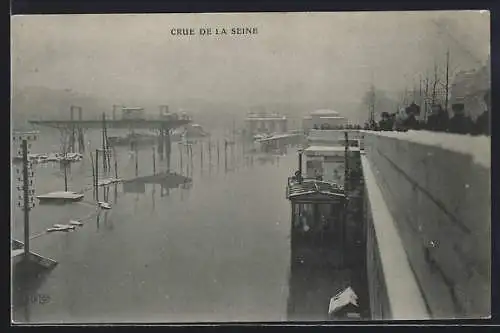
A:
x,y
438,120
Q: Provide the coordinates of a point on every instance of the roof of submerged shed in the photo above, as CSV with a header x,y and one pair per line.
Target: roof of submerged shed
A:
x,y
325,112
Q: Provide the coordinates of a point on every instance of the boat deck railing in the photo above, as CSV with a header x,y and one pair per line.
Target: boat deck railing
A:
x,y
295,186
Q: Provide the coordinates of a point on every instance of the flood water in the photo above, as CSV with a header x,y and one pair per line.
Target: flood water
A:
x,y
216,251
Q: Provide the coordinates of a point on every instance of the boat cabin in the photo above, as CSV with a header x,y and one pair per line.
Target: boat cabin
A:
x,y
317,209
328,163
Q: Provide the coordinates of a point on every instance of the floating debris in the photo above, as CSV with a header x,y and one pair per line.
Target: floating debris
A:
x,y
103,205
108,181
75,223
64,226
104,182
53,229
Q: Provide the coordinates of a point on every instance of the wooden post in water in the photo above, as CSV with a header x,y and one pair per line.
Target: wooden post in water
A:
x,y
26,201
161,141
201,156
116,163
104,164
218,153
225,155
168,148
81,139
190,148
180,159
154,161
136,153
188,161
93,174
106,143
209,152
72,137
97,174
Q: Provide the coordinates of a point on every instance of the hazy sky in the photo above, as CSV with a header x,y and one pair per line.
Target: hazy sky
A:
x,y
294,56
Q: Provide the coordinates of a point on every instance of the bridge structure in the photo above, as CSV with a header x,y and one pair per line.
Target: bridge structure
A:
x,y
73,128
151,123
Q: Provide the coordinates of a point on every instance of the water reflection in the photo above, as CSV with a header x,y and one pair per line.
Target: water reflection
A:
x,y
326,257
26,281
108,222
210,250
98,220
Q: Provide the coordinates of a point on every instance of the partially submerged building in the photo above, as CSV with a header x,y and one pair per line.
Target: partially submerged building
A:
x,y
265,123
323,118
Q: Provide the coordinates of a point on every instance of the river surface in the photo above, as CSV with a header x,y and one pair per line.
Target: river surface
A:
x,y
217,251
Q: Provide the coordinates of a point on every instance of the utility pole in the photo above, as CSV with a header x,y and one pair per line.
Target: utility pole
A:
x,y
65,145
26,203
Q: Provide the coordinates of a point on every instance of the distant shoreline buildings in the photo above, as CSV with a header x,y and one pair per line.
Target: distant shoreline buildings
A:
x,y
324,118
265,123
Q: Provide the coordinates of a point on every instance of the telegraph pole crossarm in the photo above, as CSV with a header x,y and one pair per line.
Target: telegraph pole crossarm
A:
x,y
26,203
